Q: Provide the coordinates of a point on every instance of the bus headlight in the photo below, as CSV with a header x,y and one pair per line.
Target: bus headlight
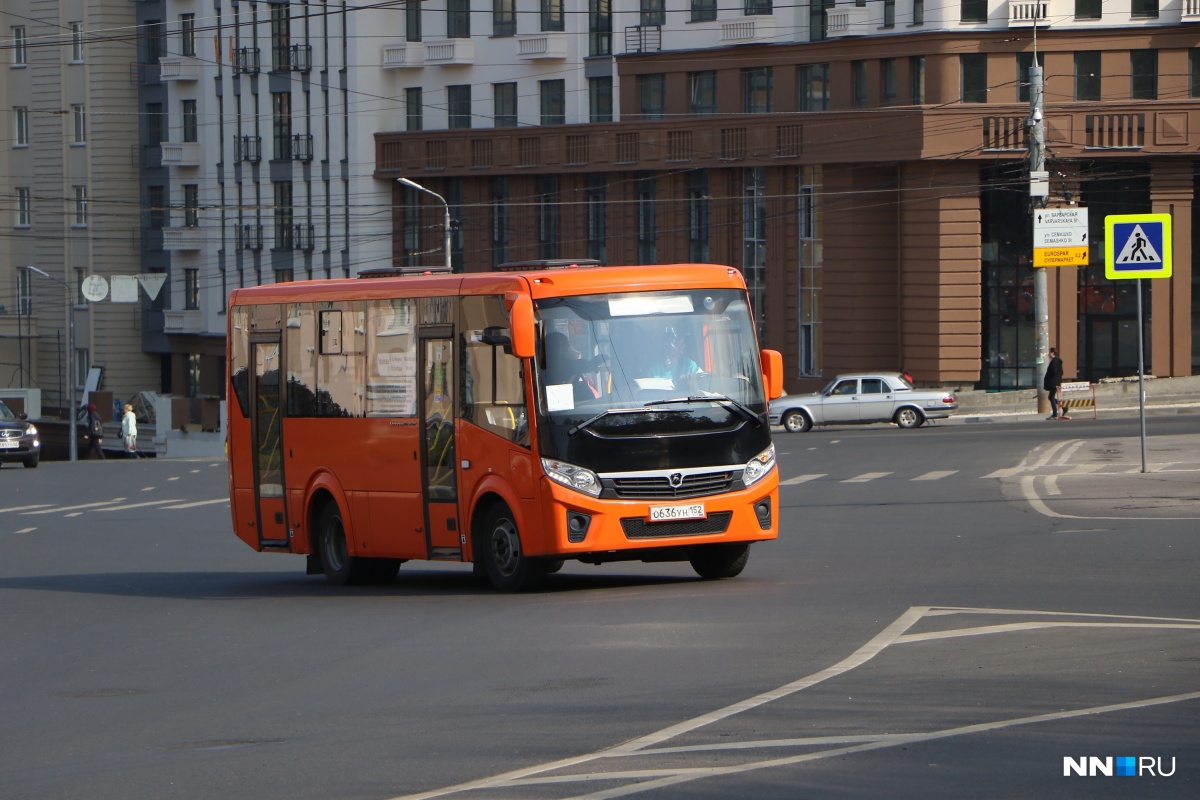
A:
x,y
759,466
569,475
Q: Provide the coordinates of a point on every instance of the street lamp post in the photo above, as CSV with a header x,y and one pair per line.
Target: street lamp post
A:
x,y
421,188
73,434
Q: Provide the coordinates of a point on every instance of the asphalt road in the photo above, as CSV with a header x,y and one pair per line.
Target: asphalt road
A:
x,y
950,612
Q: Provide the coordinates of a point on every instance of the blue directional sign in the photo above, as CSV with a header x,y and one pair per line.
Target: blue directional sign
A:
x,y
1137,246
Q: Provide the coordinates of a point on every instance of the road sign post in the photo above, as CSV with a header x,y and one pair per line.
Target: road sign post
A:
x,y
1138,246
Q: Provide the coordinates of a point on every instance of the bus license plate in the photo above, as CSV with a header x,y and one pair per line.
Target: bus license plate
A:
x,y
668,513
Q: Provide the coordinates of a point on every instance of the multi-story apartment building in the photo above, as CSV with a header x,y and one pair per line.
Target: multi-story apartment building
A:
x,y
69,197
865,164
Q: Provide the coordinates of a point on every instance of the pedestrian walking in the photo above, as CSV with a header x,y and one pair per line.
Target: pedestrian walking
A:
x,y
95,433
1052,383
129,431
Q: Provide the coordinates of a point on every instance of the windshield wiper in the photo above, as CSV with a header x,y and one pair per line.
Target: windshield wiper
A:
x,y
725,402
590,421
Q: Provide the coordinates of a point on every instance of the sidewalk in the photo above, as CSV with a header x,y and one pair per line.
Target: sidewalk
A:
x,y
1113,398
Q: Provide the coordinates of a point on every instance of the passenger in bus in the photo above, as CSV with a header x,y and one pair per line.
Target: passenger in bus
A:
x,y
674,363
565,364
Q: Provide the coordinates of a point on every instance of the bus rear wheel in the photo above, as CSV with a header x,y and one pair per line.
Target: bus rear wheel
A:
x,y
714,561
508,568
341,568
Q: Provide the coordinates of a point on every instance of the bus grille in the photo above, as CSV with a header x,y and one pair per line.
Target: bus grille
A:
x,y
638,528
658,487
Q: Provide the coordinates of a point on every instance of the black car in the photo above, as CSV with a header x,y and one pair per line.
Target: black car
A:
x,y
18,439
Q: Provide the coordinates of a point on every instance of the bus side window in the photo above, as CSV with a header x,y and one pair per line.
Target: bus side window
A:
x,y
492,391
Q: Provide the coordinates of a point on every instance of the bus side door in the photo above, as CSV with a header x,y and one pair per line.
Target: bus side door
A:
x,y
436,396
266,435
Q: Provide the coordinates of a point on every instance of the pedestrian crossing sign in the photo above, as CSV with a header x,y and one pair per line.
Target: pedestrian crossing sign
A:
x,y
1137,246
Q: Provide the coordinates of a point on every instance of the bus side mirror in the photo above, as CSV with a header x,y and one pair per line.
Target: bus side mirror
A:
x,y
521,327
772,367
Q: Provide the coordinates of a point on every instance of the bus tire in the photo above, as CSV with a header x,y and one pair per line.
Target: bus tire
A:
x,y
340,568
508,568
715,561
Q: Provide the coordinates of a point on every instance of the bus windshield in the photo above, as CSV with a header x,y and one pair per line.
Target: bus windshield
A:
x,y
616,368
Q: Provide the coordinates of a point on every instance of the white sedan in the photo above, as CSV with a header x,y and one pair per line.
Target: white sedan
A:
x,y
863,398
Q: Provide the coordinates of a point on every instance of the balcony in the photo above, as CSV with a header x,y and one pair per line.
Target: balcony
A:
x,y
1027,13
291,58
247,148
848,21
643,39
183,321
542,47
302,147
181,239
180,154
248,61
403,56
450,52
1191,11
250,237
740,31
179,68
304,237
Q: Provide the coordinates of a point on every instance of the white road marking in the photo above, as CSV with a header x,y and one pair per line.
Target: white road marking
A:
x,y
1029,490
1052,486
936,475
23,508
74,514
195,471
802,479
73,508
173,479
867,476
139,505
26,530
198,503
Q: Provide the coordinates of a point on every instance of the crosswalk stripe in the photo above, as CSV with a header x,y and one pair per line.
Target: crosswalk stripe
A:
x,y
801,479
936,475
60,509
139,505
199,503
867,476
22,508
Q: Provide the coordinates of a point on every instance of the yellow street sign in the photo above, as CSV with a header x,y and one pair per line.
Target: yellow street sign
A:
x,y
1060,256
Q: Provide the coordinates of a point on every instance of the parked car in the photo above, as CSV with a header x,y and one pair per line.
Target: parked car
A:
x,y
862,398
18,438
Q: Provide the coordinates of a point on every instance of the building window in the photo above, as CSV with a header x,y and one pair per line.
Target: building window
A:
x,y
458,104
973,69
547,208
814,87
24,292
887,81
81,207
1194,72
191,205
806,220
653,12
552,15
600,99
187,34
652,102
704,10
703,93
754,240
281,37
19,46
597,246
916,71
412,20
756,90
599,27
411,225
1024,64
1145,9
646,222
191,289
281,121
77,42
80,277
190,120
156,124
156,199
284,215
458,19
1087,75
1088,9
698,216
504,100
1143,74
504,17
24,207
79,123
153,33
918,12
756,7
974,10
20,126
554,100
499,220
83,364
818,19
858,80
889,13
413,109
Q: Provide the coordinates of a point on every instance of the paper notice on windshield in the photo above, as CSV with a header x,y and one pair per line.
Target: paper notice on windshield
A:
x,y
560,397
662,384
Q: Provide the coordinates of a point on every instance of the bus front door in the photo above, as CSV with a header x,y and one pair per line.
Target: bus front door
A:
x,y
439,468
266,431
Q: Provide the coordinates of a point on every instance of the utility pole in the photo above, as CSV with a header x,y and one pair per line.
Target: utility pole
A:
x,y
1039,186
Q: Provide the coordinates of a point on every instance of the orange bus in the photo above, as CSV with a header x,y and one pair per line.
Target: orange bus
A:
x,y
512,419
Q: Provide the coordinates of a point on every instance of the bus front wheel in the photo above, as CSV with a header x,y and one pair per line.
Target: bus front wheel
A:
x,y
508,568
713,561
